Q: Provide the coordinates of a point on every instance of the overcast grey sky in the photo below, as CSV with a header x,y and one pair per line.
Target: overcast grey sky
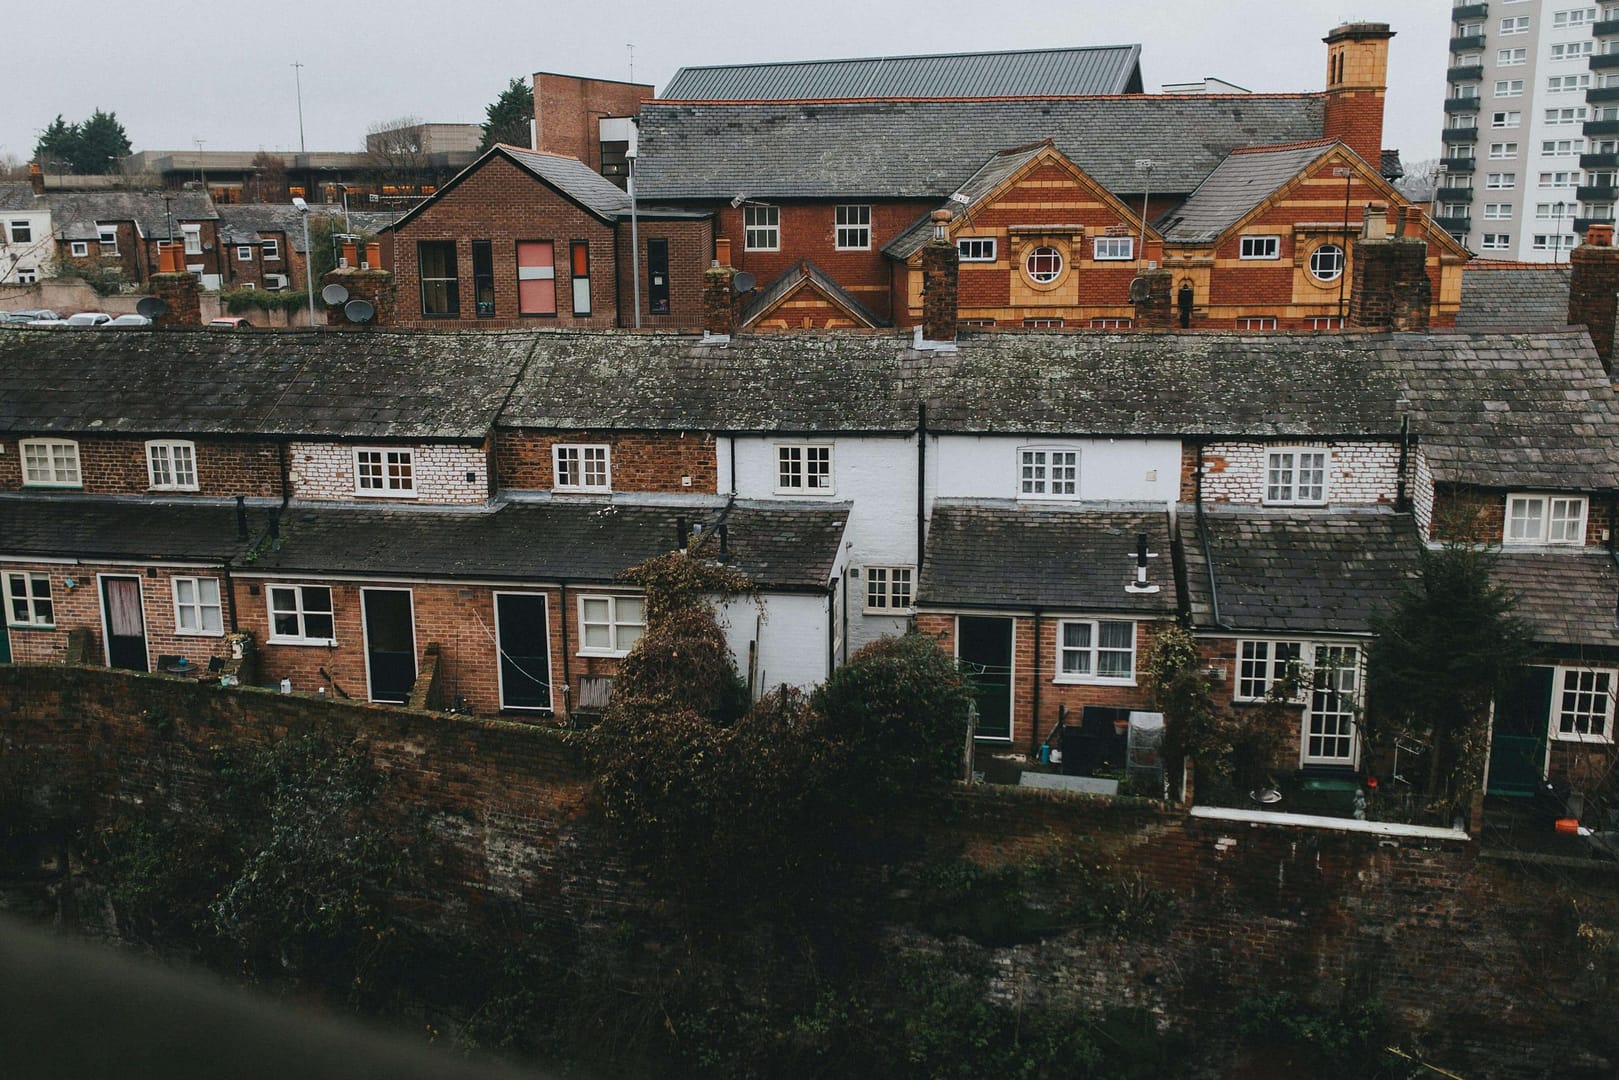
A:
x,y
176,71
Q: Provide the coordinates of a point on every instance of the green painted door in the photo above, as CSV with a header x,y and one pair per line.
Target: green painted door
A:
x,y
5,645
984,648
1518,744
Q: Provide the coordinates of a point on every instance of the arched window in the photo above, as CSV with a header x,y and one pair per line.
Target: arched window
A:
x,y
1327,262
1043,265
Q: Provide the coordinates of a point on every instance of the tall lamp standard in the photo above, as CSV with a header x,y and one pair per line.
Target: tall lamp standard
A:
x,y
309,259
1147,165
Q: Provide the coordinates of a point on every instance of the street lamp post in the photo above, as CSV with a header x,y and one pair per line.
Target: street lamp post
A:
x,y
309,259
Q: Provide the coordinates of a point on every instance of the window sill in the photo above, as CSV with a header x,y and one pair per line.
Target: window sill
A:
x,y
581,490
601,654
325,642
52,487
1575,737
892,613
199,633
170,490
1075,680
1005,740
411,494
1305,505
819,493
30,626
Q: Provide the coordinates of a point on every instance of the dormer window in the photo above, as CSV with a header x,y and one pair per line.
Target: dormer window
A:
x,y
582,468
1048,473
50,463
1296,478
1545,519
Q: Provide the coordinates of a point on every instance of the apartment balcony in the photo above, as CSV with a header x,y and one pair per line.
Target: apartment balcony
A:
x,y
1466,104
1455,195
1471,43
1474,72
1598,94
1459,135
1596,193
1459,164
1468,12
1606,28
1601,127
1454,225
1604,61
1599,161
1583,223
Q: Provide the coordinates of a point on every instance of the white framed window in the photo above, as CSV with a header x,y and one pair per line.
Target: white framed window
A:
x,y
1545,519
1562,147
1463,122
1464,90
272,250
301,615
384,471
1553,241
1296,477
1470,29
1509,88
50,463
22,232
1324,322
581,467
1048,473
1466,59
1261,247
1508,119
853,224
1501,181
1114,247
1327,262
975,248
1502,150
1496,241
1555,211
1329,722
1105,322
244,253
1559,84
28,600
1255,322
1464,152
761,228
197,610
1573,50
1043,265
1260,664
172,466
804,468
193,239
1096,651
888,588
107,239
1511,57
1583,705
1573,17
1046,322
610,625
1516,24
79,249
27,275
1572,114
1560,179
1498,211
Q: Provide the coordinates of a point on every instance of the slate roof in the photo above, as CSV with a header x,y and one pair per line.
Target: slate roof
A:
x,y
19,195
346,385
1097,69
77,212
781,546
1513,296
1004,556
790,279
575,179
1303,571
990,175
1237,185
1390,166
1567,598
89,527
256,219
926,149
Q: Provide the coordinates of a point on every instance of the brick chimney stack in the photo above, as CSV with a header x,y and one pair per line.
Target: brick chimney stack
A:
x,y
1593,289
180,291
719,300
1389,289
940,273
1357,79
1153,293
373,286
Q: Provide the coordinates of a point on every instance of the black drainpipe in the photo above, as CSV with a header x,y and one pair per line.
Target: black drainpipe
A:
x,y
1401,499
230,594
1203,539
286,473
1034,697
921,485
831,626
567,676
733,466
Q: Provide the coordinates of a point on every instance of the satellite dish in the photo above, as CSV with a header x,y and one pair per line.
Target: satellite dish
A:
x,y
359,311
334,294
1140,291
151,306
744,282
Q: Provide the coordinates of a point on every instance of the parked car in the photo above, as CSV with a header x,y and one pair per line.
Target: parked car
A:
x,y
230,322
26,316
129,320
89,318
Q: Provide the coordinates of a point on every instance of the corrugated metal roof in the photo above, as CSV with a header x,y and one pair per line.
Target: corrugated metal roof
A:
x,y
1098,69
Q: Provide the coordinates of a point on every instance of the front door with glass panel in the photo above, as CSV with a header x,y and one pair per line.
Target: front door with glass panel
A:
x,y
1329,723
523,638
984,649
390,643
123,623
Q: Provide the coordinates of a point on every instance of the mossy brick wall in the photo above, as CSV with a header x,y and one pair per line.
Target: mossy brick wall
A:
x,y
1494,967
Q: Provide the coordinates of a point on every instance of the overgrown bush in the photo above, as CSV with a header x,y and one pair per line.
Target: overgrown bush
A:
x,y
1343,1040
243,301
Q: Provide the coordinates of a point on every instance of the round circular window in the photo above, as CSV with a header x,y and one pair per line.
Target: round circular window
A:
x,y
1043,265
1327,262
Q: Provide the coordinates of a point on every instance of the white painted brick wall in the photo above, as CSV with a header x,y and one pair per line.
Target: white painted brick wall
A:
x,y
1358,473
326,471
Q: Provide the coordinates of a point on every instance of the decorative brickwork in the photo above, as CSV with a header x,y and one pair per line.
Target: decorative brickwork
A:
x,y
440,473
1357,74
1358,473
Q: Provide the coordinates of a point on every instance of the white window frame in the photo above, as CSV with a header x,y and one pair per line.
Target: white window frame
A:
x,y
891,590
975,248
164,469
761,227
387,470
1509,118
1113,248
1599,691
32,589
79,249
1047,472
1501,151
244,252
1496,242
107,239
1501,181
23,225
1327,263
198,606
1254,322
1511,57
1346,698
1260,247
851,227
300,611
1092,653
63,474
614,623
1513,24
1290,489
1571,519
193,238
804,468
1044,264
1508,88
272,251
589,467
1498,211
1261,662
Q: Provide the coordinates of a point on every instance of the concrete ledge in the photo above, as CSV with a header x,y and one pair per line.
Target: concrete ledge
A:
x,y
1316,821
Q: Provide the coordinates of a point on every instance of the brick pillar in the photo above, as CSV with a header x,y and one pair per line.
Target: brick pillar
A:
x,y
1593,289
375,286
1152,292
183,296
719,301
940,272
1389,289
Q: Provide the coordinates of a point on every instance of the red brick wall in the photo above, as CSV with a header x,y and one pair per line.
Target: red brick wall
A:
x,y
691,251
117,466
504,204
639,462
567,111
1478,516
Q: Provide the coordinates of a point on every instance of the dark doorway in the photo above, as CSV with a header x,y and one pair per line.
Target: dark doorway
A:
x,y
390,643
123,623
657,276
984,647
523,636
1518,741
